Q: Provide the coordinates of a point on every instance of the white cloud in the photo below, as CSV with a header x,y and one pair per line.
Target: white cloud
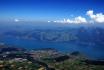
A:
x,y
76,20
49,21
80,19
99,17
16,20
90,13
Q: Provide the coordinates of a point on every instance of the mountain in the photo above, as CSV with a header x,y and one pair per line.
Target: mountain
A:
x,y
81,35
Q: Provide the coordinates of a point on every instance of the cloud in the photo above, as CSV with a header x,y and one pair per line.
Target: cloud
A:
x,y
94,18
16,20
76,20
49,21
99,17
90,13
80,19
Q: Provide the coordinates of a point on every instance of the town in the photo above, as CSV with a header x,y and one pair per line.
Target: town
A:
x,y
13,58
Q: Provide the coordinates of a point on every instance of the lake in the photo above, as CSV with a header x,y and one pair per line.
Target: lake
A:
x,y
92,52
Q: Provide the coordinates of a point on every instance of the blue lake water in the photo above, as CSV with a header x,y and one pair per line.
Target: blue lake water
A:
x,y
93,52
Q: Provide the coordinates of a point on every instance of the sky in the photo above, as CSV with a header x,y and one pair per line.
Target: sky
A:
x,y
44,10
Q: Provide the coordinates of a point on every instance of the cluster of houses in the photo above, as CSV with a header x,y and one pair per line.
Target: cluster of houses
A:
x,y
20,55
